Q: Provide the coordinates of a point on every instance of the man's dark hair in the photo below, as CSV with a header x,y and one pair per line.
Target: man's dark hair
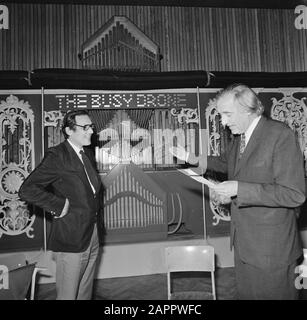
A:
x,y
70,120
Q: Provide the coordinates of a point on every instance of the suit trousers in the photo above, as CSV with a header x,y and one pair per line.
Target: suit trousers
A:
x,y
75,271
259,283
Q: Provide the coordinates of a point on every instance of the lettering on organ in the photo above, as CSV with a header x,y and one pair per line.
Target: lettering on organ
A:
x,y
122,100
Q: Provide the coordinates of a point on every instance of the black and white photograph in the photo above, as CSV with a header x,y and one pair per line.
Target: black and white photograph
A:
x,y
153,154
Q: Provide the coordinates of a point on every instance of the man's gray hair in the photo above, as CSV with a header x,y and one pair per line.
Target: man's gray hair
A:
x,y
244,95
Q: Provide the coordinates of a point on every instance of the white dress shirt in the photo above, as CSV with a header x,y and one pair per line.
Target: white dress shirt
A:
x,y
77,150
251,129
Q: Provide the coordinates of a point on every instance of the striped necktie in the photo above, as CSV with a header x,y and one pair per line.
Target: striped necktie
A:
x,y
242,145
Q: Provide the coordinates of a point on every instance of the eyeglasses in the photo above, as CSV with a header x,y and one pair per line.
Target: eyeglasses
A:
x,y
86,127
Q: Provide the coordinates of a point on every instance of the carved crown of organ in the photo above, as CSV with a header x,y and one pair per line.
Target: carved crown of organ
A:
x,y
120,45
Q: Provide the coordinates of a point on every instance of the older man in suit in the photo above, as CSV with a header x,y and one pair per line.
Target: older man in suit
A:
x,y
265,184
67,185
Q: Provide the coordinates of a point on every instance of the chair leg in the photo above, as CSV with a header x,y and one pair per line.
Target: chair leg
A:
x,y
168,286
213,286
34,281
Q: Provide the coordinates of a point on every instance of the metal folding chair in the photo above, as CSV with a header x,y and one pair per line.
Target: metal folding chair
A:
x,y
190,259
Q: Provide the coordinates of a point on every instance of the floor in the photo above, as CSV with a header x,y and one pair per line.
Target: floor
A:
x,y
154,287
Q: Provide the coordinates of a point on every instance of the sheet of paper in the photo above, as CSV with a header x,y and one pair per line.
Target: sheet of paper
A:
x,y
197,177
202,180
188,172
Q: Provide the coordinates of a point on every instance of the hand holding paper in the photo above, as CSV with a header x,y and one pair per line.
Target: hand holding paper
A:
x,y
224,190
219,198
220,192
227,188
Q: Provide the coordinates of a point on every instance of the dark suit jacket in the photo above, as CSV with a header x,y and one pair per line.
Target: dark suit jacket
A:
x,y
271,185
59,176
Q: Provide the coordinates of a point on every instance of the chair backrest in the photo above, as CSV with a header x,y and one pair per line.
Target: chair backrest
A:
x,y
19,276
13,260
19,283
190,258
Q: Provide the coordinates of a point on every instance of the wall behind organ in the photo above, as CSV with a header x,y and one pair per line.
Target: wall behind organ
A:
x,y
190,38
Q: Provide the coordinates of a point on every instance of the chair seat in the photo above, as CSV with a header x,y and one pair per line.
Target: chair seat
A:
x,y
191,295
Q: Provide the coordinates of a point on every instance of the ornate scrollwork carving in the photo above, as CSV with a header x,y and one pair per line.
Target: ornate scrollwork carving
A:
x,y
15,219
214,138
186,115
53,118
293,112
220,211
16,124
11,179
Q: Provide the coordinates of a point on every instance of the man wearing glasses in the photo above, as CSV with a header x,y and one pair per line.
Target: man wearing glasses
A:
x,y
67,185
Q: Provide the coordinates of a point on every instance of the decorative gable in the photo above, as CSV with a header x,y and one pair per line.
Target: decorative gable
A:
x,y
120,45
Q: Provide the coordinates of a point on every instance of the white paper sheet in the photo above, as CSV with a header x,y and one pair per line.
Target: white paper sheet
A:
x,y
197,177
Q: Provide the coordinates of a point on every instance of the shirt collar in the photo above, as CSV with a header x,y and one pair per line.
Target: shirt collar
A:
x,y
251,128
77,149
